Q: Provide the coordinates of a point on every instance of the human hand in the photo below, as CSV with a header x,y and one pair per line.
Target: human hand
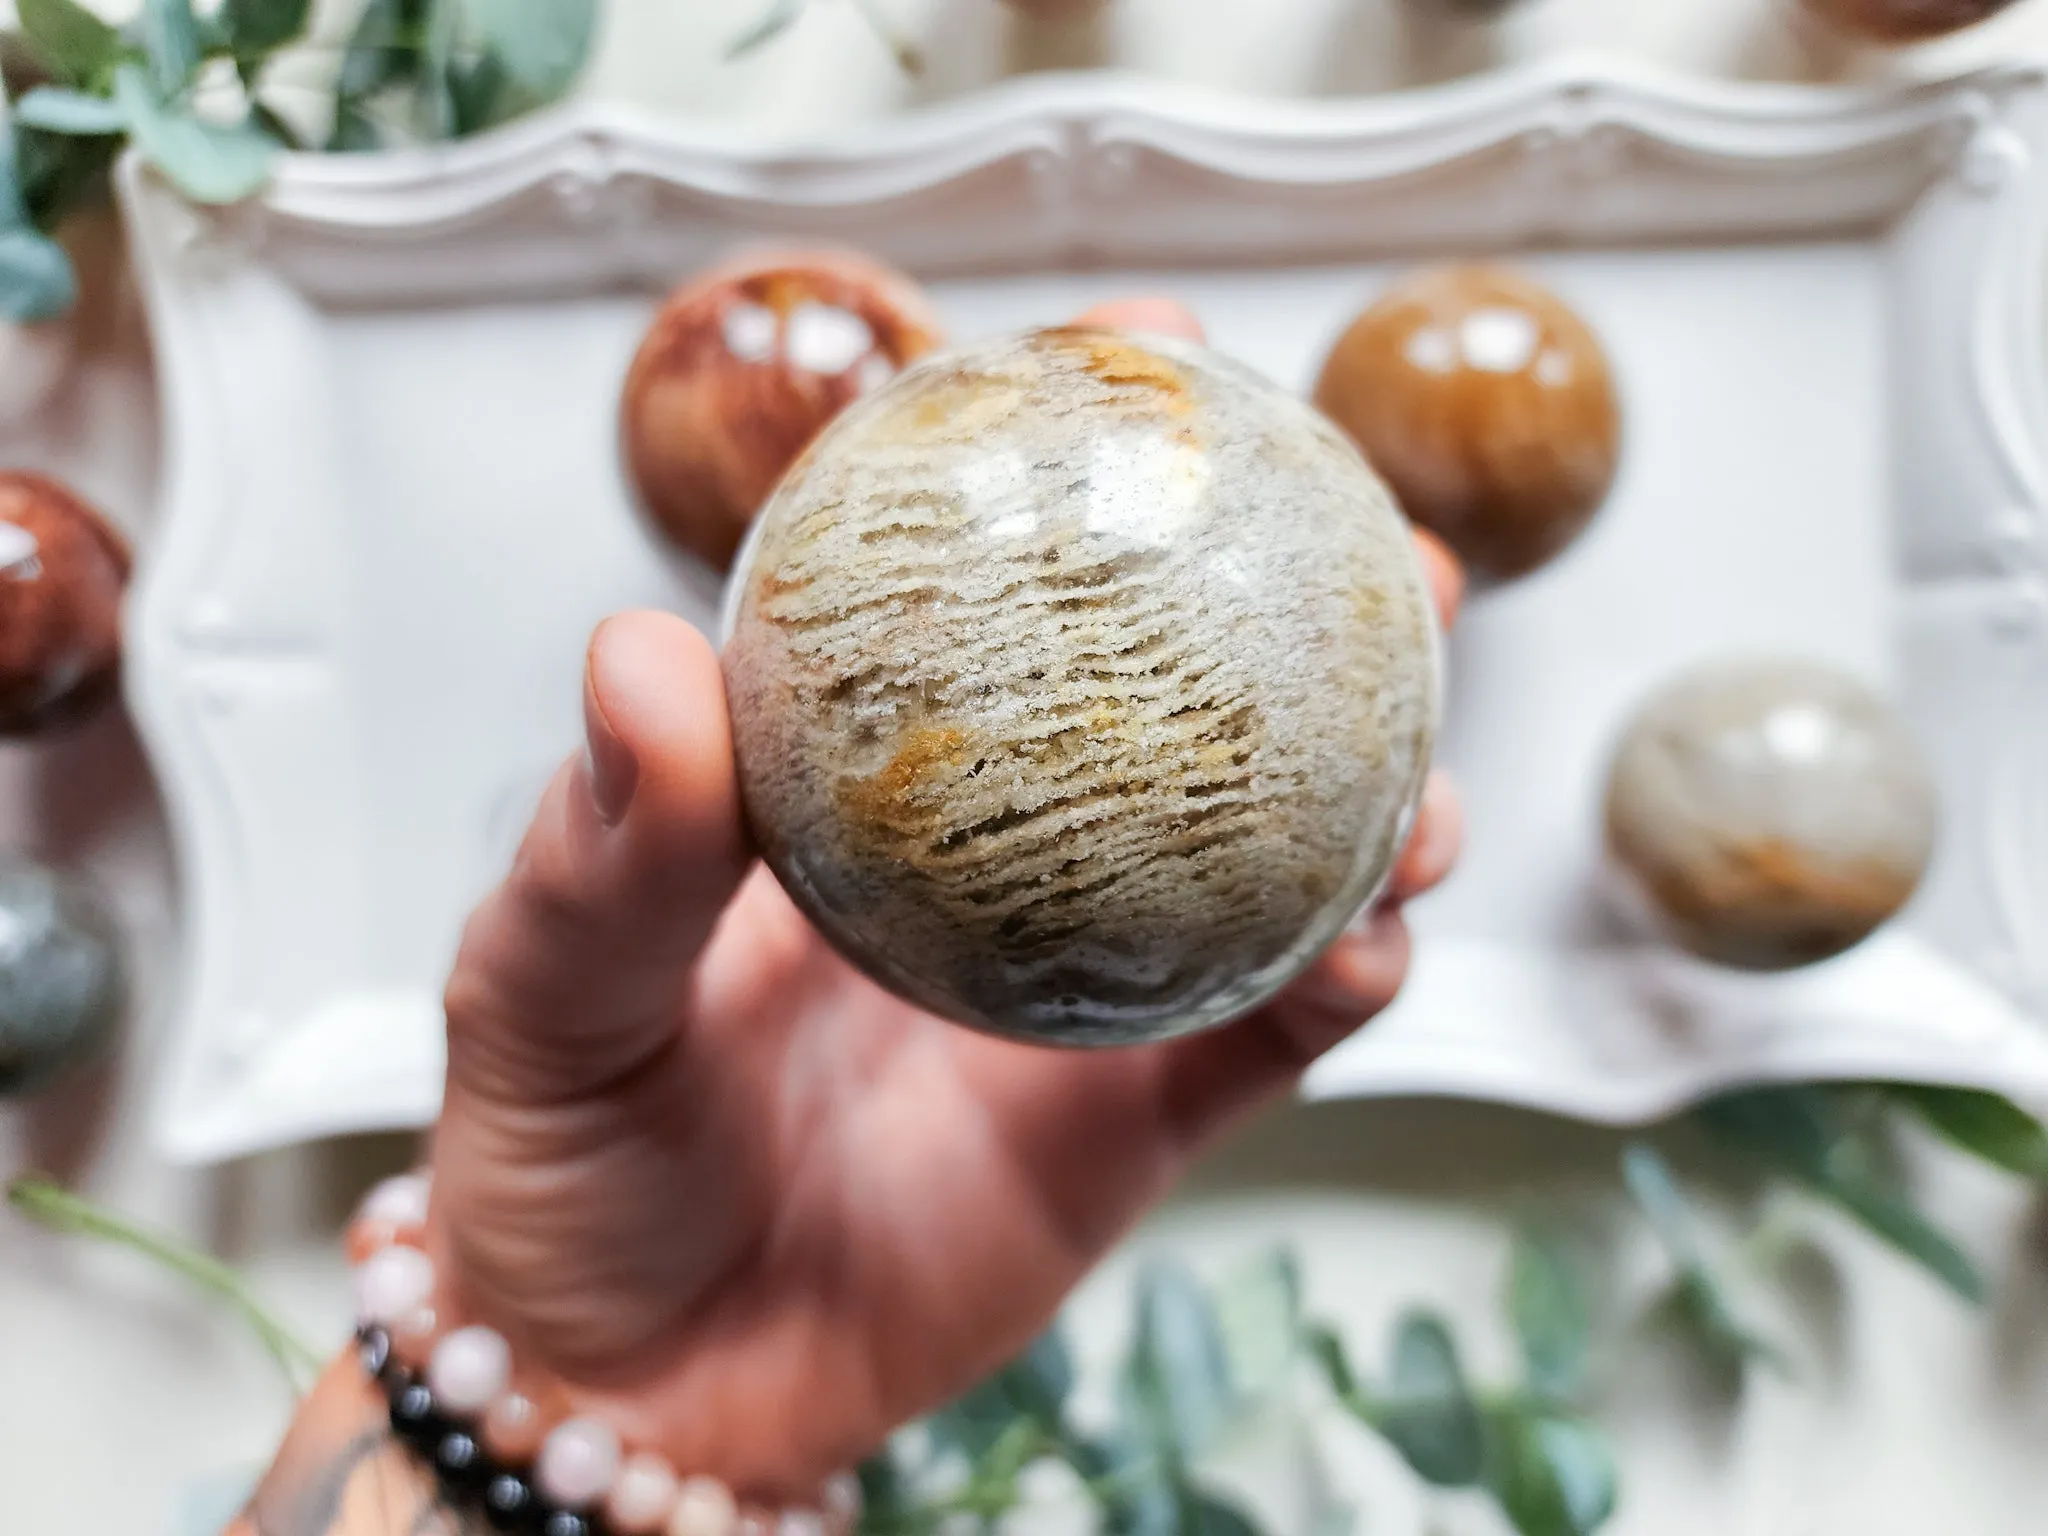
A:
x,y
747,1206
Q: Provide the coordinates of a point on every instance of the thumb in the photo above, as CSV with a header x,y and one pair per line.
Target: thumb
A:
x,y
570,972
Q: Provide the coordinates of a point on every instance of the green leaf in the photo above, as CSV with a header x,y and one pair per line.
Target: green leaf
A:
x,y
56,173
206,161
476,92
1031,1389
355,131
1427,1412
1701,1300
1552,1476
36,279
1179,1373
383,50
71,39
170,40
1203,1514
1259,1311
1327,1350
543,44
258,26
1552,1316
774,21
57,109
1986,1125
1808,1134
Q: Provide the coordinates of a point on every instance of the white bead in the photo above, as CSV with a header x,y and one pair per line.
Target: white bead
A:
x,y
642,1497
841,1502
394,1282
401,1201
469,1368
704,1507
577,1463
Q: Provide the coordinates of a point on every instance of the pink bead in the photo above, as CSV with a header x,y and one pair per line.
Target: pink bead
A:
x,y
469,1368
800,1522
577,1463
704,1507
513,1428
642,1497
393,1283
840,1502
401,1202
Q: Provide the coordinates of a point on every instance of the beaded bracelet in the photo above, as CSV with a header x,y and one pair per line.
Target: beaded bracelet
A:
x,y
451,1397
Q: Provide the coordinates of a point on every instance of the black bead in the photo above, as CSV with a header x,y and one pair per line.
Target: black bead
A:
x,y
509,1503
565,1522
374,1347
460,1460
414,1418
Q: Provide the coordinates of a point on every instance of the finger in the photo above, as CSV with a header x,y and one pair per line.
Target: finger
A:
x,y
569,972
1210,1082
1163,317
1445,574
1434,844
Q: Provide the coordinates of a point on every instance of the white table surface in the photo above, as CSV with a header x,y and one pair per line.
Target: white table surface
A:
x,y
118,1391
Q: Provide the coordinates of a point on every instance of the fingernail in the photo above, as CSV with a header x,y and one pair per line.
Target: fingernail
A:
x,y
613,770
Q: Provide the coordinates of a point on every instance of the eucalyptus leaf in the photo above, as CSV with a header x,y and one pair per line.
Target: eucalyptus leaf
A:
x,y
208,162
1327,1351
57,172
775,21
1553,1476
543,44
71,39
355,131
1426,1411
1259,1310
433,101
1813,1135
383,50
1552,1316
170,41
58,109
476,92
258,26
1203,1514
1179,1372
1699,1298
36,278
1986,1125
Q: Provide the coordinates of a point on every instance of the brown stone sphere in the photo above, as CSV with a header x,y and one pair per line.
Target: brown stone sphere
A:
x,y
63,570
1903,21
1487,405
741,367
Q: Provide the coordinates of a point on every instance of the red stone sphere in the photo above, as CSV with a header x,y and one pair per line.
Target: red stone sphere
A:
x,y
63,570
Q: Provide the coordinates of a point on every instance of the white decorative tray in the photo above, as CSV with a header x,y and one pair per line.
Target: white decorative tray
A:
x,y
395,510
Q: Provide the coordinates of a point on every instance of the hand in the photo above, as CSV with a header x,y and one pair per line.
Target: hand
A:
x,y
753,1209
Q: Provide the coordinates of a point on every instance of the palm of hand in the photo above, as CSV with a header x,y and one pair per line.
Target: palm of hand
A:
x,y
722,1189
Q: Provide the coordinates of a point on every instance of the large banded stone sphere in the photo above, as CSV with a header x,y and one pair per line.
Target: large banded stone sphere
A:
x,y
1083,686
1770,814
61,983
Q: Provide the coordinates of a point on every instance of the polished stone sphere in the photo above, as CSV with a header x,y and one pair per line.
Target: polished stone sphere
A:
x,y
1083,685
1489,408
60,975
63,572
1770,814
1902,21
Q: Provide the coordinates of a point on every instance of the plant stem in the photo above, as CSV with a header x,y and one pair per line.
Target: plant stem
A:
x,y
59,1210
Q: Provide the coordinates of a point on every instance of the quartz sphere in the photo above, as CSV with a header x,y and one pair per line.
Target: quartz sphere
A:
x,y
1083,686
1902,21
63,571
1488,406
60,975
742,366
1769,814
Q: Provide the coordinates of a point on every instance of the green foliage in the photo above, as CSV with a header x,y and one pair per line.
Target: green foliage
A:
x,y
1982,1124
1698,1296
411,69
1426,1410
1830,1140
1552,1316
1553,1475
76,45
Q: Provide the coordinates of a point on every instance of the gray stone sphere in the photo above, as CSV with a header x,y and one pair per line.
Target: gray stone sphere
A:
x,y
61,982
1771,813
